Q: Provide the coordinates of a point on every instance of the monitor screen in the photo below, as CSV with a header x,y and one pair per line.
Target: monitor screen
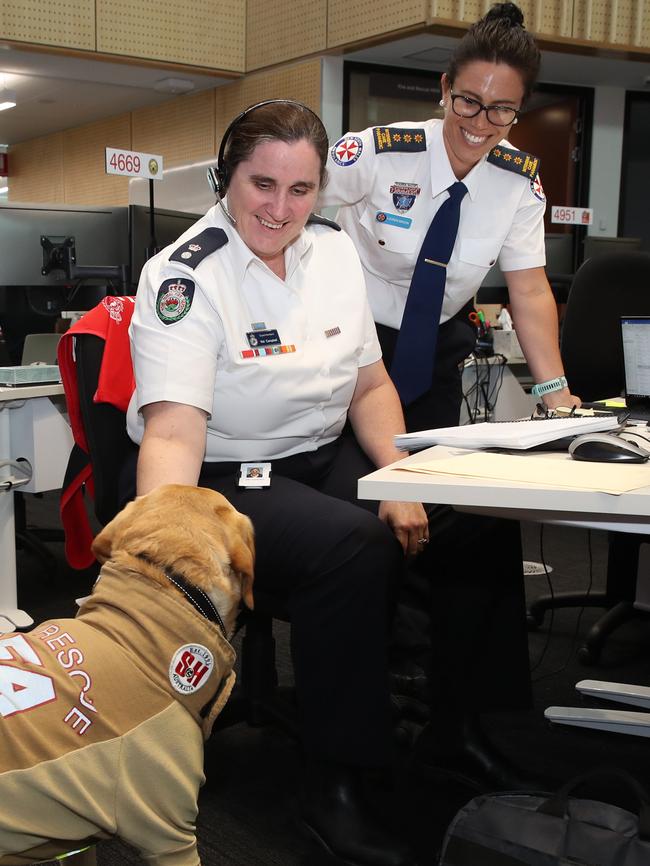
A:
x,y
635,332
100,239
168,226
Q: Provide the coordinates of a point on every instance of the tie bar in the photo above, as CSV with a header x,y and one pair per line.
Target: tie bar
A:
x,y
434,262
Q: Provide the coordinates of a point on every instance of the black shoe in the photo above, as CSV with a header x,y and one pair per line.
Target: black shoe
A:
x,y
339,820
410,681
475,762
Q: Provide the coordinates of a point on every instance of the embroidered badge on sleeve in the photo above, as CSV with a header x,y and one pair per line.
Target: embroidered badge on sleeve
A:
x,y
347,150
517,161
397,139
174,300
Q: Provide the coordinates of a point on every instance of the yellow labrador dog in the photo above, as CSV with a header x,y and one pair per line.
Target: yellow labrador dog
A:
x,y
103,717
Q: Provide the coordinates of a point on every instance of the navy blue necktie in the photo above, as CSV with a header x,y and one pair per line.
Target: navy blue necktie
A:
x,y
412,367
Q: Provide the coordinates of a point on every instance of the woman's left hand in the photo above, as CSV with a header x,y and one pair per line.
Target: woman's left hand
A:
x,y
408,520
562,398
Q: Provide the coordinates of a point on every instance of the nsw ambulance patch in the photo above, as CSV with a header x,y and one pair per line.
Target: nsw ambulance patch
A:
x,y
174,300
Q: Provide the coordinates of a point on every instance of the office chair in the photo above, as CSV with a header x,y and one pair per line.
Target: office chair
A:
x,y
604,289
256,699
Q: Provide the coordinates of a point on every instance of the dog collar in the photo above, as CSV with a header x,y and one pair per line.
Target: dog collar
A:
x,y
199,599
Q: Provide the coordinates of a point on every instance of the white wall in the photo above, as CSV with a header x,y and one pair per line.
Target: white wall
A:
x,y
606,159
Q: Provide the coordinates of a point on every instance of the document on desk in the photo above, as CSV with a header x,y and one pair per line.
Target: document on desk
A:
x,y
506,434
559,471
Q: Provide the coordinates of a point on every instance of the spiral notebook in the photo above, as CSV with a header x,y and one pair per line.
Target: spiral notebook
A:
x,y
507,434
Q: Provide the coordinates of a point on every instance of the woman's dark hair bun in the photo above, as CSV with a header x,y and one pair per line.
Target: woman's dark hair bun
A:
x,y
508,11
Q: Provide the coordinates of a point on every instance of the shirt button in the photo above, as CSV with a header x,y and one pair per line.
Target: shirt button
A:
x,y
381,243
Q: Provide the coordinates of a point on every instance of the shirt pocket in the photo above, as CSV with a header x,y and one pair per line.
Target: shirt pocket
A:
x,y
479,252
393,238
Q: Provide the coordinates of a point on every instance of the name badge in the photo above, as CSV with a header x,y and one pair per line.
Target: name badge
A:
x,y
255,475
269,337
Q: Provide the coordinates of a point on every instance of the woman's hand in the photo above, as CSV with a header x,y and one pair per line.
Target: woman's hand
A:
x,y
561,398
409,522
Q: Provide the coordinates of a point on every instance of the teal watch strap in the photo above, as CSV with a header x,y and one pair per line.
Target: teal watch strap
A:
x,y
546,387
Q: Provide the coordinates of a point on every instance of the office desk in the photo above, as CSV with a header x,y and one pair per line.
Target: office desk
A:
x,y
31,426
629,512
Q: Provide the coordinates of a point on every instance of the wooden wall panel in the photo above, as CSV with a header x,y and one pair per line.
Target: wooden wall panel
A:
x,y
301,82
284,29
181,130
625,22
65,23
37,170
349,22
548,17
84,177
206,33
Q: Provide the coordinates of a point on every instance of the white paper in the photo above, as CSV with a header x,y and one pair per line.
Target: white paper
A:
x,y
506,434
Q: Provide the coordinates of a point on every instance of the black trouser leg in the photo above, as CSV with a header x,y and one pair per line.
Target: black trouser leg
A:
x,y
461,611
332,563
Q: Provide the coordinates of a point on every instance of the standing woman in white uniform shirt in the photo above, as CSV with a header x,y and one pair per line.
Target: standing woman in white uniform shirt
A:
x,y
253,342
391,183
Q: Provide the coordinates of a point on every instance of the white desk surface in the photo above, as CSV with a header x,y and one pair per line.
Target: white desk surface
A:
x,y
24,392
629,512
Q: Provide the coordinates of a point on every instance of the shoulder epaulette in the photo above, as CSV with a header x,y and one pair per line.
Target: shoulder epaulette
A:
x,y
514,160
316,219
192,252
391,139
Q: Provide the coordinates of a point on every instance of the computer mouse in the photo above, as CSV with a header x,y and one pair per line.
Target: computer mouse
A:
x,y
607,448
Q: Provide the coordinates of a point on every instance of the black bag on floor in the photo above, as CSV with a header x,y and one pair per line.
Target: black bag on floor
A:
x,y
535,829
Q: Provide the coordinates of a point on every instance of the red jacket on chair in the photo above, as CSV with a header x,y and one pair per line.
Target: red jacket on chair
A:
x,y
110,321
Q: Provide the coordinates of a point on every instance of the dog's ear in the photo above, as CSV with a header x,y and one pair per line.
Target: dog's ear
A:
x,y
242,558
103,543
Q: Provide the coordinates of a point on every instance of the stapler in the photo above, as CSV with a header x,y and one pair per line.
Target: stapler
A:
x,y
617,721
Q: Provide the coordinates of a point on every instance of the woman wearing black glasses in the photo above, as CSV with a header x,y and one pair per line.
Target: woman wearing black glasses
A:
x,y
431,207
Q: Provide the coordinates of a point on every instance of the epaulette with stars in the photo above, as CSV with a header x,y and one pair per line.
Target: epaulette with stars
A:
x,y
389,139
193,251
514,160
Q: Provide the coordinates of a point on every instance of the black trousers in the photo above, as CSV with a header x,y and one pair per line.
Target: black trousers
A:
x,y
461,613
335,565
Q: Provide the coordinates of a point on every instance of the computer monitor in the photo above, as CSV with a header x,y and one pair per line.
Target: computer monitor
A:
x,y
635,334
596,246
559,269
559,255
100,238
168,226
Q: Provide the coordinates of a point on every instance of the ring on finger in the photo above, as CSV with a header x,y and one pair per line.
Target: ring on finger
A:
x,y
423,541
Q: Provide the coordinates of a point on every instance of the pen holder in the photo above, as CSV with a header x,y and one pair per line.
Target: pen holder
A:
x,y
506,343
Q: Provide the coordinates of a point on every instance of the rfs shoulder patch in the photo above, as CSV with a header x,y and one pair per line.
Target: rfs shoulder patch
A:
x,y
190,668
514,160
389,139
174,300
192,252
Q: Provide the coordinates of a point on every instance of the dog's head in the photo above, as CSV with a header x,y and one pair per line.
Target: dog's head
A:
x,y
190,530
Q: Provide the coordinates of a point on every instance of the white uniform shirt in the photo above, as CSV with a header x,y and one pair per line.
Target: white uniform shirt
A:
x,y
264,401
501,217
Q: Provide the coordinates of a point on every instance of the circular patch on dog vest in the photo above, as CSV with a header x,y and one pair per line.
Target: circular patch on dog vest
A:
x,y
190,668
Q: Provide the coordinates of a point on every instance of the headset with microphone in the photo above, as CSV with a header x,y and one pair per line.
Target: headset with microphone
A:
x,y
219,175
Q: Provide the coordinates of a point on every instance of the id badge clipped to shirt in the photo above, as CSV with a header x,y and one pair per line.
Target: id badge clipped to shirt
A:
x,y
254,476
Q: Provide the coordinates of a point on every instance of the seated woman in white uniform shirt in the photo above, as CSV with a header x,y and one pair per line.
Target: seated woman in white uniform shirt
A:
x,y
253,342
